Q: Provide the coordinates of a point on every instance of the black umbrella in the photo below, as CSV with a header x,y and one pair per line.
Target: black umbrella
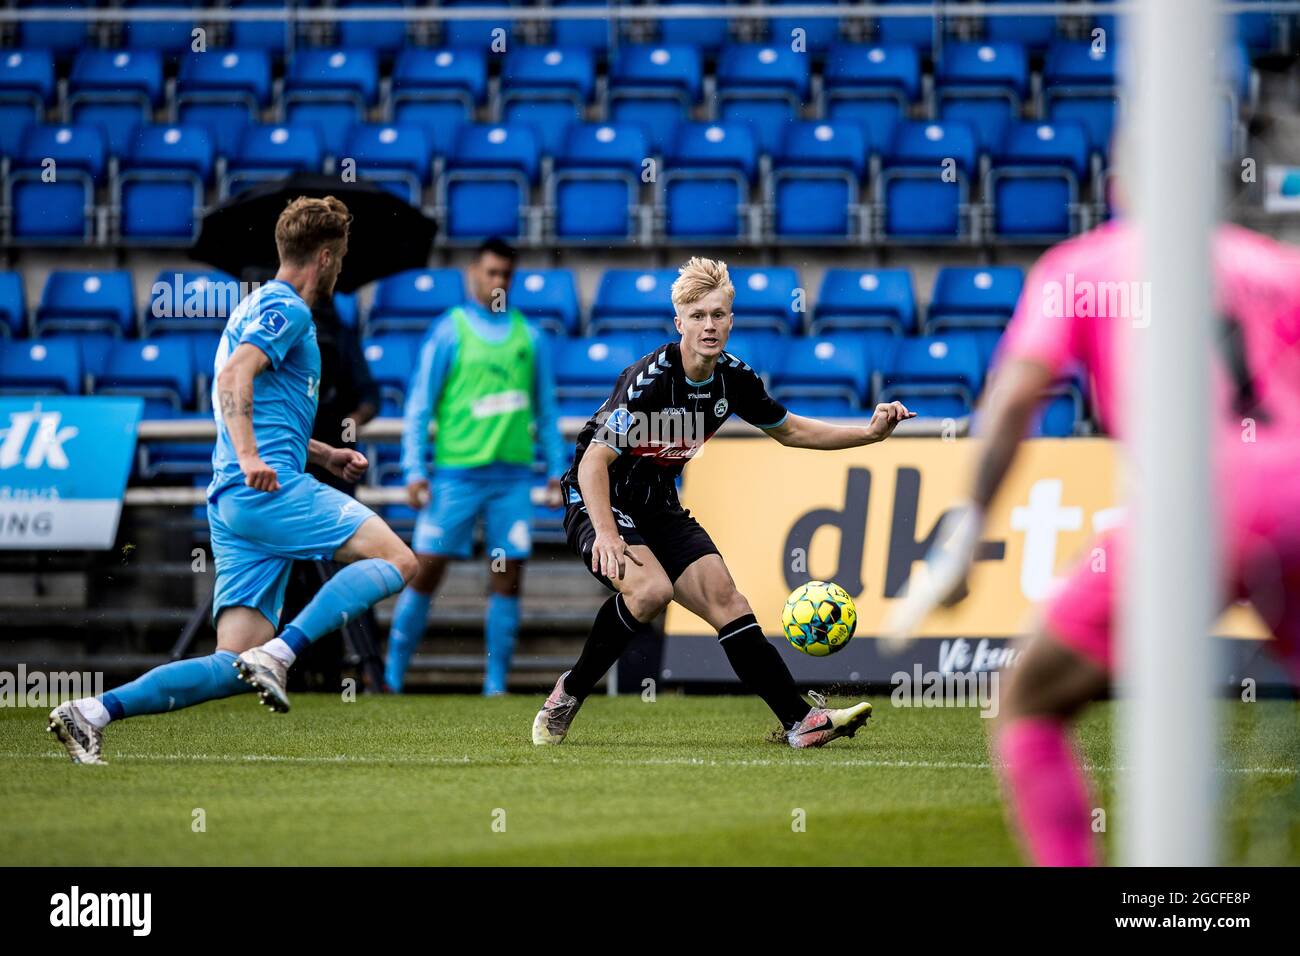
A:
x,y
388,235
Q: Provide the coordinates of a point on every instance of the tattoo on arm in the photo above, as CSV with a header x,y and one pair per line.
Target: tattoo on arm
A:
x,y
232,405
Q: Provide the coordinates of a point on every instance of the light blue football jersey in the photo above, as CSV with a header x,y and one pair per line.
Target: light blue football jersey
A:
x,y
276,320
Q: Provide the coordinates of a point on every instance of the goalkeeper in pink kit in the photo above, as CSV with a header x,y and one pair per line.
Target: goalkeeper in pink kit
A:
x,y
1256,450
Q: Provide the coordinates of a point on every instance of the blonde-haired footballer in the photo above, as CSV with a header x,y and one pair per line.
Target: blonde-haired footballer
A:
x,y
625,521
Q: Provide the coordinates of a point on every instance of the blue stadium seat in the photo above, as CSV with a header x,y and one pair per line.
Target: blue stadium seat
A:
x,y
982,84
61,211
593,35
763,87
548,298
546,89
814,192
270,152
392,361
186,302
760,349
924,186
349,312
826,375
159,371
585,372
271,36
397,157
819,33
13,305
410,301
594,189
438,91
167,459
1080,84
58,36
1063,414
1034,185
386,37
1257,31
159,189
203,350
916,31
871,85
223,91
767,298
704,190
935,376
81,300
26,88
879,299
330,90
51,367
114,90
633,299
705,33
166,36
485,190
973,297
1035,32
654,87
483,35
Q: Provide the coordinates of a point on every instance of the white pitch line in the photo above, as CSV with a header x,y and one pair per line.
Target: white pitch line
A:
x,y
344,759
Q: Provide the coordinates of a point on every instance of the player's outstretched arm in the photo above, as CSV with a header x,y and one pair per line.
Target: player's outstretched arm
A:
x,y
235,403
800,432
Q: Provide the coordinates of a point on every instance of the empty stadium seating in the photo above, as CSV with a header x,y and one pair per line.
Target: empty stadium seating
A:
x,y
427,121
585,134
596,183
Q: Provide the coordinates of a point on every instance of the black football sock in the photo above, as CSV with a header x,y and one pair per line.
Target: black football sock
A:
x,y
611,632
759,666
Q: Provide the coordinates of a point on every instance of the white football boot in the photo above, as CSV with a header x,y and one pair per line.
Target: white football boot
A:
x,y
80,738
551,725
267,675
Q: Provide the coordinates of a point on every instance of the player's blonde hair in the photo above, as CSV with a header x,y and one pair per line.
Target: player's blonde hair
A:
x,y
307,224
698,278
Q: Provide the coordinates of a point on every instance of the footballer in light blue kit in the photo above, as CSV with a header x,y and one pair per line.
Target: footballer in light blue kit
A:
x,y
264,510
484,376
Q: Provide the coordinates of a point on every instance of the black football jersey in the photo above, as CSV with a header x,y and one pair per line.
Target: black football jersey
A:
x,y
657,419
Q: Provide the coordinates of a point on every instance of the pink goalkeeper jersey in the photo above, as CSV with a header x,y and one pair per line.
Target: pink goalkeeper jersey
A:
x,y
1083,300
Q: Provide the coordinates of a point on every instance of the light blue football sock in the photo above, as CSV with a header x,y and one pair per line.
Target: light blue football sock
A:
x,y
500,628
354,589
410,616
176,685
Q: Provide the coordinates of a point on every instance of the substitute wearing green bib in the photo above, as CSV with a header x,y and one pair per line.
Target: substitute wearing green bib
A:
x,y
485,411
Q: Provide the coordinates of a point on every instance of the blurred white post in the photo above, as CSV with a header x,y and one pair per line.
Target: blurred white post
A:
x,y
1167,735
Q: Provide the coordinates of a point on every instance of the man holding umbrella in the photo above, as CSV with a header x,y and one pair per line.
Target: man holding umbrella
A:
x,y
484,376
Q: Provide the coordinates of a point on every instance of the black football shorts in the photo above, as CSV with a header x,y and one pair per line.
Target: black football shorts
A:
x,y
675,538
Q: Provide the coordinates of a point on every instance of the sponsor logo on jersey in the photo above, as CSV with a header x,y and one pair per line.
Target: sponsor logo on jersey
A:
x,y
699,394
500,403
272,321
619,421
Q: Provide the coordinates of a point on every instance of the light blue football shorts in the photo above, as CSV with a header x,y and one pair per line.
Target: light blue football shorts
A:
x,y
456,501
257,535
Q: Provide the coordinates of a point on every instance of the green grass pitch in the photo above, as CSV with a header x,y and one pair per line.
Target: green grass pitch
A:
x,y
683,780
